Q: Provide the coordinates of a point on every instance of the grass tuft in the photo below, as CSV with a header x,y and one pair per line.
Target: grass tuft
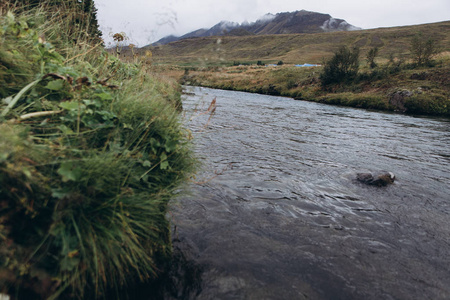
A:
x,y
91,151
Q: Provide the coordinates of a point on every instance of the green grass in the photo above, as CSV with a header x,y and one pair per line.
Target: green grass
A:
x,y
91,151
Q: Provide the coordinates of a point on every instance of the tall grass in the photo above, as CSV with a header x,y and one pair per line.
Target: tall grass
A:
x,y
91,151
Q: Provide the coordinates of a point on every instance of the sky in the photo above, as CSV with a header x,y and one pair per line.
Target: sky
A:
x,y
146,21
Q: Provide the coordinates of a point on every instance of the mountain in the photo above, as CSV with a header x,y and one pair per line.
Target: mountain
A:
x,y
292,48
216,30
282,23
168,39
298,22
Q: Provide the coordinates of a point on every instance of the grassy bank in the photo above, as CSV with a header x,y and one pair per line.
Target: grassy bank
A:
x,y
391,86
91,151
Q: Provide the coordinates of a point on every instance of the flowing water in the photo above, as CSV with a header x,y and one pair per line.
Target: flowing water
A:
x,y
276,212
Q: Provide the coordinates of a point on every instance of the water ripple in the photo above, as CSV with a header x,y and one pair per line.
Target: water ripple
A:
x,y
286,206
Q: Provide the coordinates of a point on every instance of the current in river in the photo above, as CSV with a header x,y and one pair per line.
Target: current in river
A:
x,y
276,211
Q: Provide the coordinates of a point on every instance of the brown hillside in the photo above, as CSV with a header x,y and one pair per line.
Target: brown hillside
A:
x,y
295,48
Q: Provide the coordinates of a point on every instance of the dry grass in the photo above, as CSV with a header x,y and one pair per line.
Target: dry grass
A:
x,y
294,48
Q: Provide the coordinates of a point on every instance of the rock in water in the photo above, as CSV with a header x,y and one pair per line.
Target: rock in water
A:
x,y
380,179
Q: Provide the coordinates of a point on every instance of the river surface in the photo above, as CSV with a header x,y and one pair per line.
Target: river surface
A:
x,y
276,212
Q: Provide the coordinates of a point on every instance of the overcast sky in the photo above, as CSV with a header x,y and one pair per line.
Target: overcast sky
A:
x,y
146,21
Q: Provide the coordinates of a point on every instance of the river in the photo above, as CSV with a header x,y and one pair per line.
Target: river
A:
x,y
277,213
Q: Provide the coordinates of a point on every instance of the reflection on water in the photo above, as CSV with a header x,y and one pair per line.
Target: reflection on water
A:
x,y
278,213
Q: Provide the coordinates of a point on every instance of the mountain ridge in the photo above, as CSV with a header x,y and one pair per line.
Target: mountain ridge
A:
x,y
294,48
282,23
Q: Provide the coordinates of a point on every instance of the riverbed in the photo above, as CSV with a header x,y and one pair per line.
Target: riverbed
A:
x,y
276,211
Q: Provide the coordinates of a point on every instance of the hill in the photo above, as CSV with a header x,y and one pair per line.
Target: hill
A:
x,y
294,48
282,23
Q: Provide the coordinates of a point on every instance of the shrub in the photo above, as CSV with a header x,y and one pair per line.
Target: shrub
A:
x,y
423,50
342,66
370,58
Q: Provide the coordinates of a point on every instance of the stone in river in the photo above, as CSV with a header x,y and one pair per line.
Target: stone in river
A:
x,y
379,179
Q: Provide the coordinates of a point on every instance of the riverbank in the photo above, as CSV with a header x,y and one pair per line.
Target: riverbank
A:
x,y
422,91
92,150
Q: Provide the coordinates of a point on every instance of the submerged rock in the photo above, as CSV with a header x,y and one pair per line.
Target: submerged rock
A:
x,y
380,179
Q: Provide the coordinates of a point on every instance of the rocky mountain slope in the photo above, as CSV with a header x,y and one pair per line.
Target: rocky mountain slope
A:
x,y
282,23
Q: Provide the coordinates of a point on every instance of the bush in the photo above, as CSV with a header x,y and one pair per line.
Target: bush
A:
x,y
87,166
342,66
423,50
373,52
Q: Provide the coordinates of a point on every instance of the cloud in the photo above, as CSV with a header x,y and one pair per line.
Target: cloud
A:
x,y
145,21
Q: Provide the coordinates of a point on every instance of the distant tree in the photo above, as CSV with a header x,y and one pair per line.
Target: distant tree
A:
x,y
423,49
280,63
342,66
370,58
90,13
260,63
